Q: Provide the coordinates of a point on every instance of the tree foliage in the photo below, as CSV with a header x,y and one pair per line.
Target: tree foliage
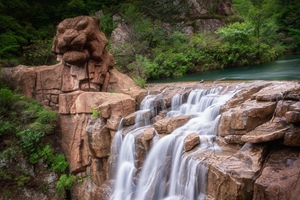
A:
x,y
155,47
24,127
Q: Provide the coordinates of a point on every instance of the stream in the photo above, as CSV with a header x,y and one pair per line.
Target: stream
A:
x,y
286,67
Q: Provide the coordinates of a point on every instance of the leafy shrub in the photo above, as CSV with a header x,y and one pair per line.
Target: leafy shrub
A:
x,y
6,127
106,22
236,32
46,153
59,163
140,81
65,182
4,175
29,139
9,153
45,122
22,180
38,127
6,98
95,113
38,53
33,158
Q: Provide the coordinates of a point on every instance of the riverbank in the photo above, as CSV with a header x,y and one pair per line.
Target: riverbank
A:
x,y
286,67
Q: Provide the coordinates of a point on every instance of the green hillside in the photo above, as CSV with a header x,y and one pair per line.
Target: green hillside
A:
x,y
256,31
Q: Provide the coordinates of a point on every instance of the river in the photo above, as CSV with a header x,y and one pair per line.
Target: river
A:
x,y
286,67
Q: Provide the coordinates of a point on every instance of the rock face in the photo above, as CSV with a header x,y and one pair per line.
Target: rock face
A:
x,y
280,176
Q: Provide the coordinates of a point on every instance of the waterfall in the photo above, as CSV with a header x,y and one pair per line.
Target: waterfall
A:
x,y
168,172
124,149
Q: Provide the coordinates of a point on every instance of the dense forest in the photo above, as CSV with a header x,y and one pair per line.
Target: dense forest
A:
x,y
256,31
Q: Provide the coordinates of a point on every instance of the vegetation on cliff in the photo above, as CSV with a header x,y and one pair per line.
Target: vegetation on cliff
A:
x,y
156,47
29,152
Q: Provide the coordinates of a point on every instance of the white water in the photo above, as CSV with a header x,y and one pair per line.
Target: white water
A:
x,y
124,148
167,173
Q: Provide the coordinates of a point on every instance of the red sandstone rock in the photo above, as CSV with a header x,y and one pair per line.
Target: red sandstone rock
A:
x,y
168,125
83,49
275,92
98,138
250,114
232,176
280,177
191,141
292,116
292,136
267,132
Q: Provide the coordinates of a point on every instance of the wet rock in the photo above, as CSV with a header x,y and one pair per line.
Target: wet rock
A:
x,y
245,118
224,124
267,132
234,176
292,136
292,116
282,107
148,134
162,114
295,107
280,176
243,95
191,141
275,92
233,139
168,125
138,117
129,119
105,191
113,122
252,114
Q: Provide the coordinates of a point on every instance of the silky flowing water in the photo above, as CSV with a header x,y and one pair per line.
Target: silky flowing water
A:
x,y
168,172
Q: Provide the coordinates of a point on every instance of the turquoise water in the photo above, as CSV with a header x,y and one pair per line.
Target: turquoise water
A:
x,y
286,67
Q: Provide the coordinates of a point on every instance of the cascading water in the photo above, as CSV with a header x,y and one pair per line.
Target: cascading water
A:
x,y
167,173
124,148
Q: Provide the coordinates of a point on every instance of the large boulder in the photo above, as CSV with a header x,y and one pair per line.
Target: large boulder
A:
x,y
280,177
190,141
267,132
168,125
232,176
240,120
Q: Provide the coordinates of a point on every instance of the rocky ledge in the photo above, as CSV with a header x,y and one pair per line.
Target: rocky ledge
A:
x,y
258,132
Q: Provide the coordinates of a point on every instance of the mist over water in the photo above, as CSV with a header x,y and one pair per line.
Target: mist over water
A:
x,y
286,67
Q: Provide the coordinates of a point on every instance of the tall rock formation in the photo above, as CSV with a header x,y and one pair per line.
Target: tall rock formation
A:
x,y
82,47
90,96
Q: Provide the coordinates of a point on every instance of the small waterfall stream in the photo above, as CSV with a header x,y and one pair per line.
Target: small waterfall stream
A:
x,y
168,172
